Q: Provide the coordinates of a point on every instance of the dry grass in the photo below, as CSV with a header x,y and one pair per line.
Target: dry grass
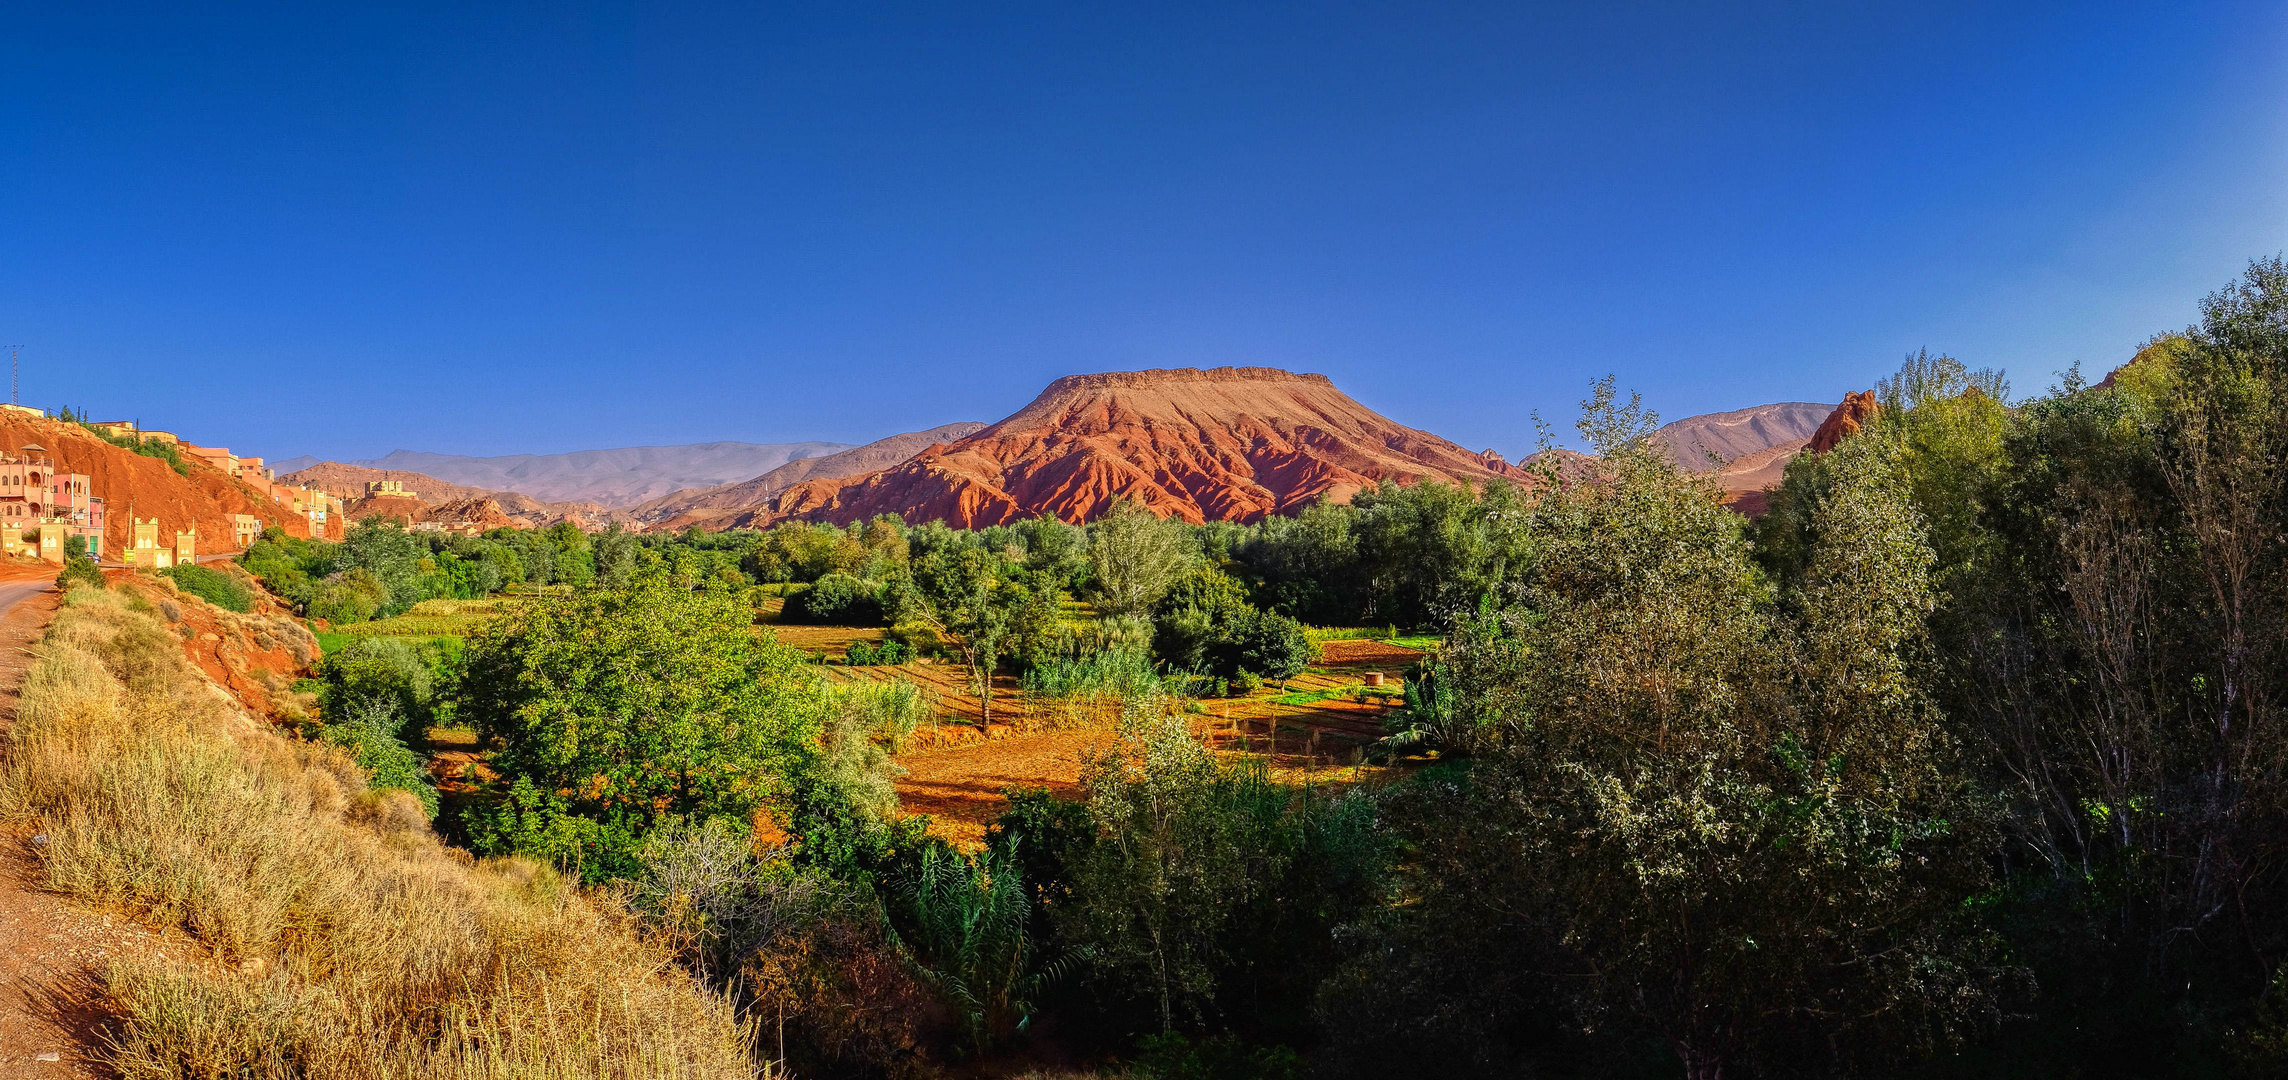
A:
x,y
342,939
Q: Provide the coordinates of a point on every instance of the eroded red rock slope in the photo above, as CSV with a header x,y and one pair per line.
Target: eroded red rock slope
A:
x,y
1228,444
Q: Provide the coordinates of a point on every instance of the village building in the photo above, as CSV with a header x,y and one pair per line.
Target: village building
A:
x,y
255,474
143,549
313,505
59,506
245,529
388,489
214,455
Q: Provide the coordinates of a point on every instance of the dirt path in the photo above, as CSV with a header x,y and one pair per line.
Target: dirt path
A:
x,y
50,948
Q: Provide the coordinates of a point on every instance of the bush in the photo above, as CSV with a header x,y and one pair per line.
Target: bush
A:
x,y
213,586
370,732
1273,646
80,571
836,600
863,654
390,674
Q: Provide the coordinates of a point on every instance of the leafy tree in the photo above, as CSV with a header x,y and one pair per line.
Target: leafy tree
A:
x,y
960,591
376,675
1137,557
836,599
1194,621
616,553
629,705
1718,819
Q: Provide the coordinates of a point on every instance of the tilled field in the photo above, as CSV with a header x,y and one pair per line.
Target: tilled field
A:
x,y
958,776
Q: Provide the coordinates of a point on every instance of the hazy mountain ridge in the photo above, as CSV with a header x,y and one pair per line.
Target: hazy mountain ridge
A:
x,y
624,476
701,505
437,499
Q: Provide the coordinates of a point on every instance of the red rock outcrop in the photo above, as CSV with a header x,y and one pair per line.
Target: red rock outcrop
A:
x,y
481,512
1857,411
1224,444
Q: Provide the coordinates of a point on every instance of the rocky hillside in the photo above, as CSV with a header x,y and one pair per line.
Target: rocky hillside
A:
x,y
133,486
1747,449
433,497
1730,436
702,506
1228,444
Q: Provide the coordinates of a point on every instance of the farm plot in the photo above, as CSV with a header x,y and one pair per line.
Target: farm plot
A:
x,y
1316,729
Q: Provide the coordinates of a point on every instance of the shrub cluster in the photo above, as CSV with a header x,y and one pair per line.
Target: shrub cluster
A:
x,y
216,587
888,653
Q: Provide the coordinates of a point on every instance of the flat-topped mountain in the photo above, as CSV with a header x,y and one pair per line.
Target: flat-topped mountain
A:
x,y
1225,444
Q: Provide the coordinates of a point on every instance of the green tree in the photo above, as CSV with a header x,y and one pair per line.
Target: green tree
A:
x,y
1721,816
961,592
1136,556
634,704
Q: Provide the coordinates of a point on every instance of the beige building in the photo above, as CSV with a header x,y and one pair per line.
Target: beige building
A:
x,y
143,549
245,529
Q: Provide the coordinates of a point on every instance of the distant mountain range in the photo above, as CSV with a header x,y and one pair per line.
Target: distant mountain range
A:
x,y
1231,444
433,497
622,477
702,506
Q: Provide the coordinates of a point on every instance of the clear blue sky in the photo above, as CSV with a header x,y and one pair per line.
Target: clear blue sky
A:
x,y
496,228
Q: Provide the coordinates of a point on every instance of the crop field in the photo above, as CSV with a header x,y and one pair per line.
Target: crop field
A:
x,y
1316,729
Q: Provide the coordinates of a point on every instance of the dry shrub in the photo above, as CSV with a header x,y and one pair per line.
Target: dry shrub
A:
x,y
345,941
832,996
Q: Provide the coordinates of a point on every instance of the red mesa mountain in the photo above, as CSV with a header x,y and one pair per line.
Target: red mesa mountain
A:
x,y
1224,444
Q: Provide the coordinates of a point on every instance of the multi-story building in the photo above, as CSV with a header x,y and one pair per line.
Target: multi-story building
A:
x,y
215,456
314,505
60,505
75,510
388,489
256,475
245,529
24,485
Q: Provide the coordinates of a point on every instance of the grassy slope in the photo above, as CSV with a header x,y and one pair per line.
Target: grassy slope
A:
x,y
341,938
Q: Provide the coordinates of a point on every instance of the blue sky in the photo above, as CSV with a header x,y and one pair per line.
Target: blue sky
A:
x,y
501,228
